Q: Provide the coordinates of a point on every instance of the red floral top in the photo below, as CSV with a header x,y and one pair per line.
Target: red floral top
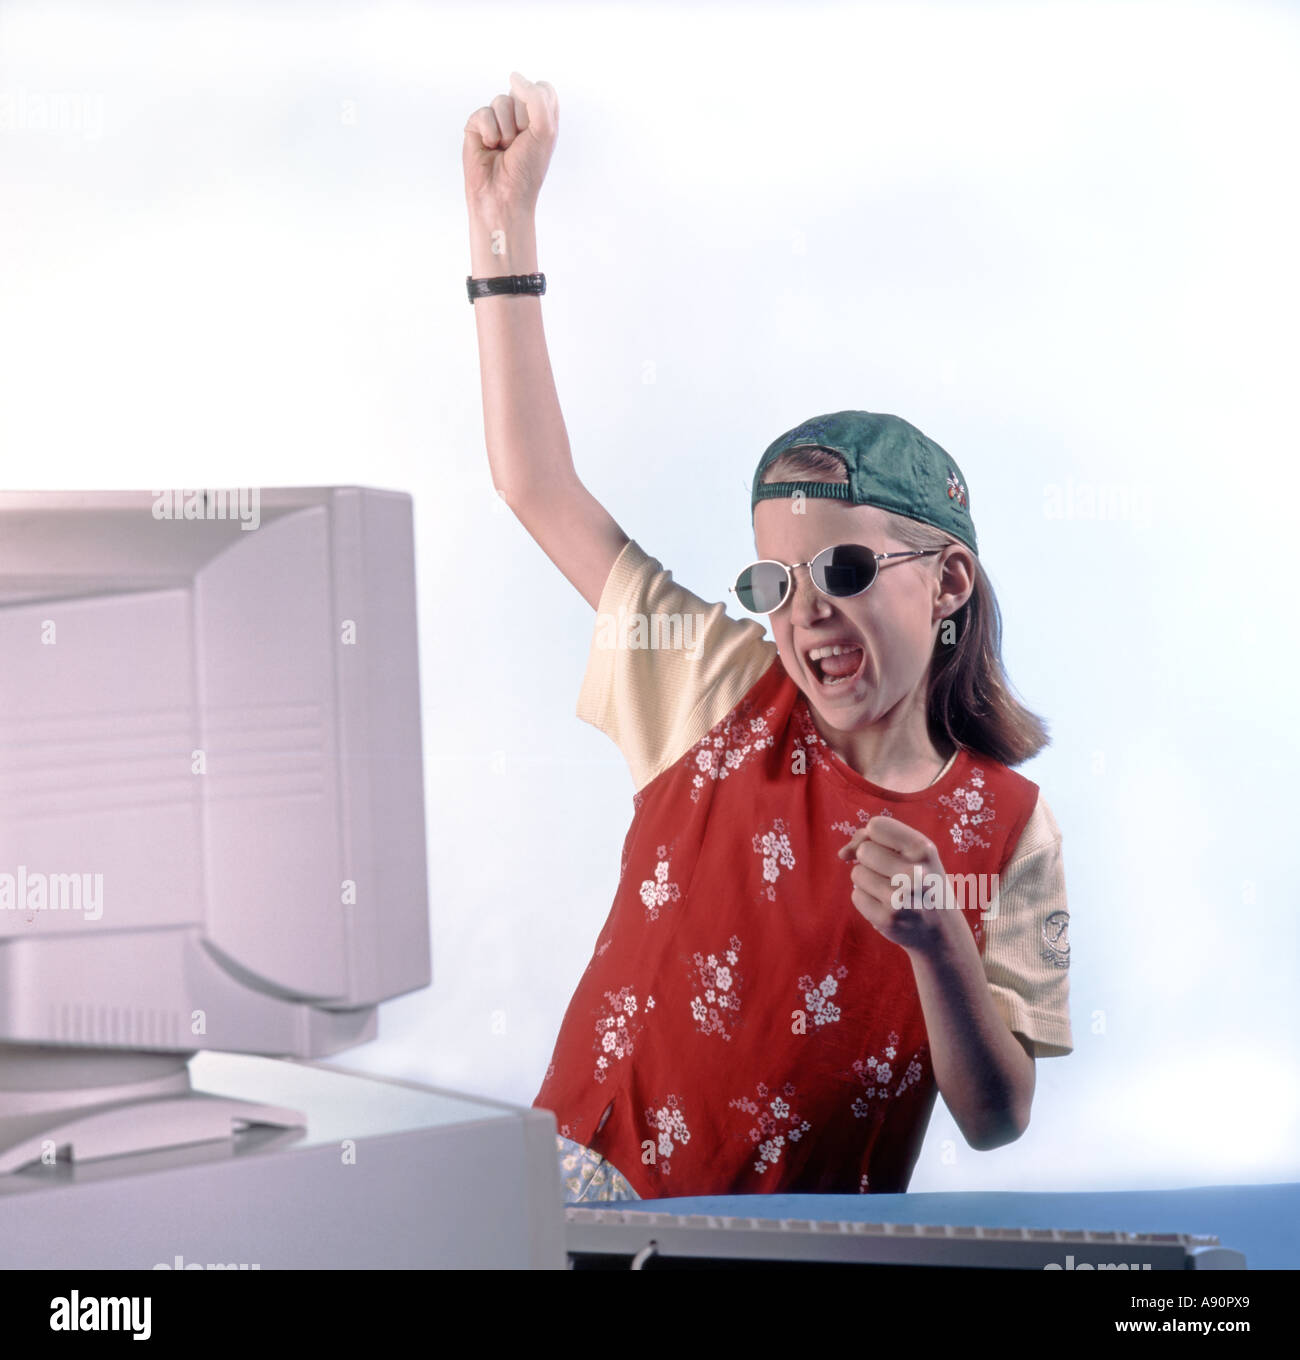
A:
x,y
741,1028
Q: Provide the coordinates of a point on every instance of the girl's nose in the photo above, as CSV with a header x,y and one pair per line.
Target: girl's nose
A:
x,y
808,602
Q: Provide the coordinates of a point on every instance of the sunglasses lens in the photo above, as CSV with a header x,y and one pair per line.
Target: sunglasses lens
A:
x,y
762,587
846,570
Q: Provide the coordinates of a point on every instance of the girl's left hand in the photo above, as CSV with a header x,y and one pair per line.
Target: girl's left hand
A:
x,y
888,890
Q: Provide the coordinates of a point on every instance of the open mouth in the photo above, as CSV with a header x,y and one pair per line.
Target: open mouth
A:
x,y
836,666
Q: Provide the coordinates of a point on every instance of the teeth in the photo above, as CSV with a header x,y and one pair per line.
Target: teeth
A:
x,y
818,653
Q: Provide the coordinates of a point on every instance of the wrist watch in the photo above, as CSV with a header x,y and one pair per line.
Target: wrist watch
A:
x,y
533,285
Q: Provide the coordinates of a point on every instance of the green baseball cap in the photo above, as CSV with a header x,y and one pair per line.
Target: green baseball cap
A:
x,y
891,465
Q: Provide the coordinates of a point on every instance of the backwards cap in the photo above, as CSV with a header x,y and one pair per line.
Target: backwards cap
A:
x,y
891,465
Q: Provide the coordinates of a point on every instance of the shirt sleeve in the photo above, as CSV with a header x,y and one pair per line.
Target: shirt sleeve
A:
x,y
665,666
1026,945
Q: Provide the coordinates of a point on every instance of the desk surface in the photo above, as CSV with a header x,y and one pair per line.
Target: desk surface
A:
x,y
1263,1221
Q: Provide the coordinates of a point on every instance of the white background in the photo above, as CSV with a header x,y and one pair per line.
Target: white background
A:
x,y
1059,238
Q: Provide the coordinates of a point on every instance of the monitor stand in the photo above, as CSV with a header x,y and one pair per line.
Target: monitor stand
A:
x,y
387,1174
78,1104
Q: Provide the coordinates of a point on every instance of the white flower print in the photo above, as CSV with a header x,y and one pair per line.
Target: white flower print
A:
x,y
774,846
657,891
807,739
775,1126
768,1152
726,748
972,809
816,995
614,1036
876,1076
721,991
670,1124
864,816
911,1077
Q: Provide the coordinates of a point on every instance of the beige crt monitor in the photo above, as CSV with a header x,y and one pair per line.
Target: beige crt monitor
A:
x,y
211,799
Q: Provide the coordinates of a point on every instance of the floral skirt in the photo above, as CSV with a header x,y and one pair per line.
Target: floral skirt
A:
x,y
588,1178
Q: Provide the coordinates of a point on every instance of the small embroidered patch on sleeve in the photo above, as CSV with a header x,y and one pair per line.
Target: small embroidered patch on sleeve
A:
x,y
1056,939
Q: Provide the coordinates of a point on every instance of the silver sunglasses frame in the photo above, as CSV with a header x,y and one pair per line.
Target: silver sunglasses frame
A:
x,y
790,568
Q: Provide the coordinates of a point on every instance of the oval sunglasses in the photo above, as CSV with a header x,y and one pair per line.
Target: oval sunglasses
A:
x,y
842,571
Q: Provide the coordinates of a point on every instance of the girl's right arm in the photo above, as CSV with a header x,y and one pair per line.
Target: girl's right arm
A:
x,y
507,148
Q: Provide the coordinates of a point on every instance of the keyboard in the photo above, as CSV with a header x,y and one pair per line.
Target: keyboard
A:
x,y
608,1238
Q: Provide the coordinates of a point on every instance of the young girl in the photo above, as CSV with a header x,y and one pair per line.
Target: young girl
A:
x,y
836,897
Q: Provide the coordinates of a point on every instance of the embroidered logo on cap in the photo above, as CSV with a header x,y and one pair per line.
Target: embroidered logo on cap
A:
x,y
810,429
956,491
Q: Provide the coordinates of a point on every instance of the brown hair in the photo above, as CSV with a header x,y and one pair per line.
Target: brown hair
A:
x,y
970,703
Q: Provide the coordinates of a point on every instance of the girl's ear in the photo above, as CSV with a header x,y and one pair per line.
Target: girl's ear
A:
x,y
956,578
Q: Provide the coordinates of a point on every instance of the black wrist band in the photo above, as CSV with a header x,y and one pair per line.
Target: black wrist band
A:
x,y
533,285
